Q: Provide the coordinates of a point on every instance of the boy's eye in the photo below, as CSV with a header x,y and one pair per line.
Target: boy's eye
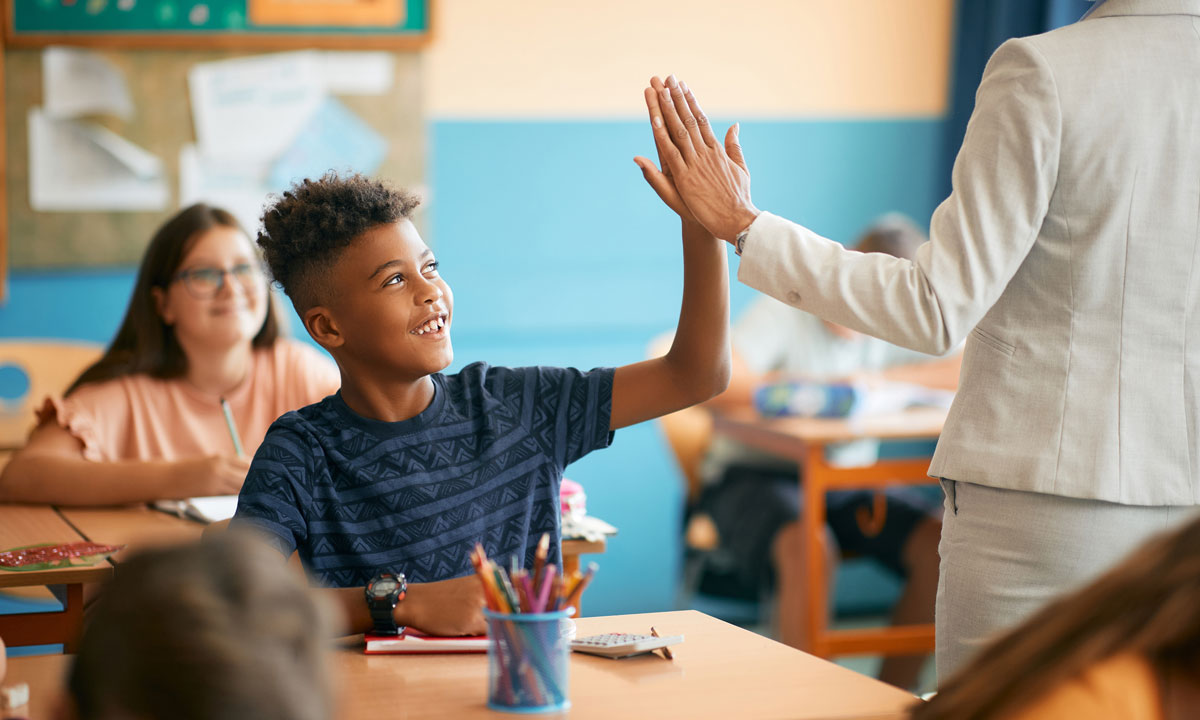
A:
x,y
394,280
432,268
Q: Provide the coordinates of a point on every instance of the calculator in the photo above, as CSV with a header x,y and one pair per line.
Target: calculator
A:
x,y
619,645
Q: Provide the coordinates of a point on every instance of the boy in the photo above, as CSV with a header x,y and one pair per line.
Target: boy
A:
x,y
405,469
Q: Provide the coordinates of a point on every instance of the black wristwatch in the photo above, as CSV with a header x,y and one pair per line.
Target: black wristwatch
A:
x,y
384,592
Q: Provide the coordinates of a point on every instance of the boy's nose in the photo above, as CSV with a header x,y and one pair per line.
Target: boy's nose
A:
x,y
430,292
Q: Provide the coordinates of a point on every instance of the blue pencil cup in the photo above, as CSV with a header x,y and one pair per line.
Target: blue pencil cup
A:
x,y
528,661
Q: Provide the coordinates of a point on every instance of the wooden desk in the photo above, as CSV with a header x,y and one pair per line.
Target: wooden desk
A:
x,y
804,440
138,526
719,671
135,526
30,525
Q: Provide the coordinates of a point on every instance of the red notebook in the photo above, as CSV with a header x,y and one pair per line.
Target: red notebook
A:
x,y
413,641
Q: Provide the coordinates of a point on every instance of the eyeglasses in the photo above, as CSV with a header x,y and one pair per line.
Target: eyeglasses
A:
x,y
205,282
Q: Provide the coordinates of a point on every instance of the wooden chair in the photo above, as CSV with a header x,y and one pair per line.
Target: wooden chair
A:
x,y
29,371
706,581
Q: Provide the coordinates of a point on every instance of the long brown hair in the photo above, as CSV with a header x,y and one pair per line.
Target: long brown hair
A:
x,y
1148,605
144,343
222,629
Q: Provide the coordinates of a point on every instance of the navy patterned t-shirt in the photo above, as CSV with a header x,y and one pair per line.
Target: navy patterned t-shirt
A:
x,y
483,463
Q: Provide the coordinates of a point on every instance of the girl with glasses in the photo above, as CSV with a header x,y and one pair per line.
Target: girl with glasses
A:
x,y
145,422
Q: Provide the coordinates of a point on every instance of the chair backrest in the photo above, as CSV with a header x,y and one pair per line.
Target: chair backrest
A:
x,y
29,371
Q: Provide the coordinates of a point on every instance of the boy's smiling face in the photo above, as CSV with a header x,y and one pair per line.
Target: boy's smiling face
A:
x,y
391,307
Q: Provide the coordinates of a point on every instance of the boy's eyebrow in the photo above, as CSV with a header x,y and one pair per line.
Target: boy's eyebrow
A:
x,y
390,263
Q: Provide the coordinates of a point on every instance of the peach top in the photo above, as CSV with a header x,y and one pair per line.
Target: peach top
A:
x,y
1123,687
138,417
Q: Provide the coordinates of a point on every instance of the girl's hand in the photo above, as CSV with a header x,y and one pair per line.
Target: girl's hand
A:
x,y
213,475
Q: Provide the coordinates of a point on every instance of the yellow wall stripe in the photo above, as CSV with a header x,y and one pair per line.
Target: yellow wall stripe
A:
x,y
745,58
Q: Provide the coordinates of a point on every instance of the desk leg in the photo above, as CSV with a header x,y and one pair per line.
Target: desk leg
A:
x,y
45,628
813,488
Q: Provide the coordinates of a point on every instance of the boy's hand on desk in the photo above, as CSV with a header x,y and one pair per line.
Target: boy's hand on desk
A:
x,y
448,607
215,475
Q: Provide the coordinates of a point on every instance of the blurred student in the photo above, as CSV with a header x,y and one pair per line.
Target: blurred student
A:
x,y
1125,647
405,469
145,421
753,497
218,630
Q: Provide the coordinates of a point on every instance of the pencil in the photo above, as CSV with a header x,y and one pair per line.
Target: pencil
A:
x,y
539,557
233,433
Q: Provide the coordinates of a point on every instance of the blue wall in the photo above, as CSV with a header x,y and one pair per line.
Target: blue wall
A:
x,y
559,254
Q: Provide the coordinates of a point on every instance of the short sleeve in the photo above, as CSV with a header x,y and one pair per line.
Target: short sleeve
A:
x,y
579,408
97,414
310,374
278,488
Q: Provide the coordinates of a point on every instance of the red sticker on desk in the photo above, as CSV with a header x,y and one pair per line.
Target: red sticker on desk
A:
x,y
51,556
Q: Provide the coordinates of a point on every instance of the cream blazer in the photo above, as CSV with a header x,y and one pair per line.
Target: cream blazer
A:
x,y
1067,256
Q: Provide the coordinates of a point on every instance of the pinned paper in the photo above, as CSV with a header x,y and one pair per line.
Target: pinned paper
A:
x,y
334,139
81,166
81,82
237,186
254,107
356,73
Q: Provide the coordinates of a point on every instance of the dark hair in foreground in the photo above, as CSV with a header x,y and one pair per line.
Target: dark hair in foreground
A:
x,y
309,226
1149,605
222,629
144,343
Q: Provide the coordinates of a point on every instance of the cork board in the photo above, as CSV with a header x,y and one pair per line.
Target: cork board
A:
x,y
162,124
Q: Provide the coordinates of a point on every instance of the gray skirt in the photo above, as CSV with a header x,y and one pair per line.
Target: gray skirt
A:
x,y
1006,553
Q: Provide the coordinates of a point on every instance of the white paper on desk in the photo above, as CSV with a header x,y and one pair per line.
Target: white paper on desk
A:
x,y
356,73
210,508
238,186
79,82
254,107
891,397
80,166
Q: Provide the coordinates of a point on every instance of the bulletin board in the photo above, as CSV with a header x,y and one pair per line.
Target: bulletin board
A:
x,y
212,24
162,124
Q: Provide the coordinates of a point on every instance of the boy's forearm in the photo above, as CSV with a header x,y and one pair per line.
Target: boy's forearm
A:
x,y
700,351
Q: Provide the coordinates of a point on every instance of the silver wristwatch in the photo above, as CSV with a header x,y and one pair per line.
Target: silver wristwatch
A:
x,y
739,242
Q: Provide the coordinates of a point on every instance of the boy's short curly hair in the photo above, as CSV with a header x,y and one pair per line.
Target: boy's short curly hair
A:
x,y
307,228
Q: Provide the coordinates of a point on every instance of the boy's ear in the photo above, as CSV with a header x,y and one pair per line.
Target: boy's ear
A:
x,y
322,327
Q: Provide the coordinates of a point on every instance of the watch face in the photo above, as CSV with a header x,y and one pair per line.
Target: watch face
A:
x,y
384,587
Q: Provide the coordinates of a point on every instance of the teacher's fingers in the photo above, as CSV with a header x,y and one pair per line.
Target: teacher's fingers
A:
x,y
706,131
668,154
685,113
680,135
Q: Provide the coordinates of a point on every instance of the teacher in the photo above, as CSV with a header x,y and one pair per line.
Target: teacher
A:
x,y
1068,257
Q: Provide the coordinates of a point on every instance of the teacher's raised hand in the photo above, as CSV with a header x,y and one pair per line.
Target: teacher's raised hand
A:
x,y
709,178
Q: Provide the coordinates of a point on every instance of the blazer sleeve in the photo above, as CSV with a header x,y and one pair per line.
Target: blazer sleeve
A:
x,y
1002,182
